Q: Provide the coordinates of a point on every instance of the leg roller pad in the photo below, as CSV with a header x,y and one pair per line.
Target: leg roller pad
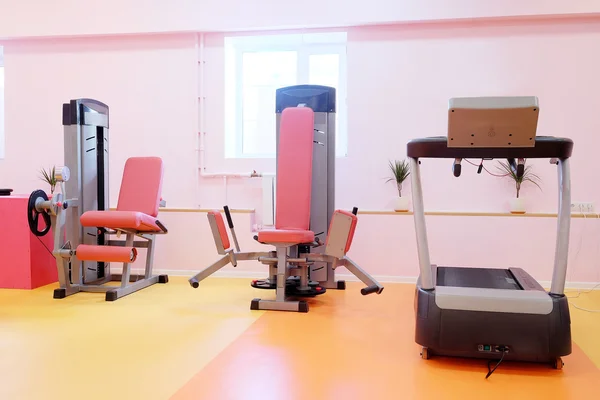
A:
x,y
60,293
254,304
163,278
111,296
341,285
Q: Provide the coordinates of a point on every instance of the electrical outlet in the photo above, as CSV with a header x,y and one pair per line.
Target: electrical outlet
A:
x,y
582,207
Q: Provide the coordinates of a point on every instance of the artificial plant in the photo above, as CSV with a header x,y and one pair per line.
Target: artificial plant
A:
x,y
49,176
400,171
511,173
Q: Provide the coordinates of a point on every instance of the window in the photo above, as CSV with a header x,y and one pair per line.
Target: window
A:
x,y
1,103
256,66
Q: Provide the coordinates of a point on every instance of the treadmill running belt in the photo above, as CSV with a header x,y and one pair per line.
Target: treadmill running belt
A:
x,y
485,278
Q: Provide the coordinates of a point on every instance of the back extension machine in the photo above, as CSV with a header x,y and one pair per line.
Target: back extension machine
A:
x,y
486,312
304,205
82,225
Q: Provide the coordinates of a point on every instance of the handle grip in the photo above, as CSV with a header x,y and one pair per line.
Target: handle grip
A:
x,y
354,210
228,215
370,290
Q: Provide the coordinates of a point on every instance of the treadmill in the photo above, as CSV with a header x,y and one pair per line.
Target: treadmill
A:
x,y
492,313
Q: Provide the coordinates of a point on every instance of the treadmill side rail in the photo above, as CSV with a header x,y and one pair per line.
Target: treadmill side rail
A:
x,y
526,281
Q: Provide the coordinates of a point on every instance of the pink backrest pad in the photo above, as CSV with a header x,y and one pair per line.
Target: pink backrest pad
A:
x,y
221,228
294,168
141,185
352,228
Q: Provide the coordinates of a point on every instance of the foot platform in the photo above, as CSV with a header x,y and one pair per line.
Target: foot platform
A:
x,y
292,287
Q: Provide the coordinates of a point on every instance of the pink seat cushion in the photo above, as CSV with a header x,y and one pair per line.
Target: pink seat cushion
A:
x,y
292,236
141,185
120,220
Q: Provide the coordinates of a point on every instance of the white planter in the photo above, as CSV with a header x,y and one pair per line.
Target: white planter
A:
x,y
401,204
517,205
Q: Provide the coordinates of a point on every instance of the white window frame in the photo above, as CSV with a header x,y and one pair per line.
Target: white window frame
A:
x,y
304,46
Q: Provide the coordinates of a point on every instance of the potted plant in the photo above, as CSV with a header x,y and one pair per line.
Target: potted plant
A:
x,y
49,177
400,171
517,204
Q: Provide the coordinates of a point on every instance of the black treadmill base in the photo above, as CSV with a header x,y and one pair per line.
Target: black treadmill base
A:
x,y
463,333
549,360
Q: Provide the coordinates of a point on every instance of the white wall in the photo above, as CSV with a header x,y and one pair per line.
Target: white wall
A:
x,y
399,81
149,83
34,18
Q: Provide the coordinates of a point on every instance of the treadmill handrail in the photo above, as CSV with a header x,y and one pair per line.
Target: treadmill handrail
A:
x,y
437,147
563,221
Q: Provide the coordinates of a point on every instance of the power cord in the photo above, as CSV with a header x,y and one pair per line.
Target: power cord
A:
x,y
576,257
504,350
580,292
485,169
44,244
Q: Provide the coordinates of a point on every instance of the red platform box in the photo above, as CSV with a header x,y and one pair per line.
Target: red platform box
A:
x,y
26,261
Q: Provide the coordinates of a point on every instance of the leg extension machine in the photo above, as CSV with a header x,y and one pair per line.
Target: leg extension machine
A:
x,y
82,225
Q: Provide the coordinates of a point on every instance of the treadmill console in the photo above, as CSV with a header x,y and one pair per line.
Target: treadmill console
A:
x,y
487,122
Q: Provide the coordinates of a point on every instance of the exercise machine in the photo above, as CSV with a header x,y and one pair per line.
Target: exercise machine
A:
x,y
492,313
293,236
82,225
322,100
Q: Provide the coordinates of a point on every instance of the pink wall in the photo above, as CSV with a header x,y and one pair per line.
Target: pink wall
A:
x,y
32,18
399,81
148,82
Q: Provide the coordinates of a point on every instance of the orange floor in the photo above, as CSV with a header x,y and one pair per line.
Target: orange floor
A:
x,y
370,354
174,342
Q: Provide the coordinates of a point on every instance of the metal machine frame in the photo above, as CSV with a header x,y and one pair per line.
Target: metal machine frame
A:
x,y
483,312
86,144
